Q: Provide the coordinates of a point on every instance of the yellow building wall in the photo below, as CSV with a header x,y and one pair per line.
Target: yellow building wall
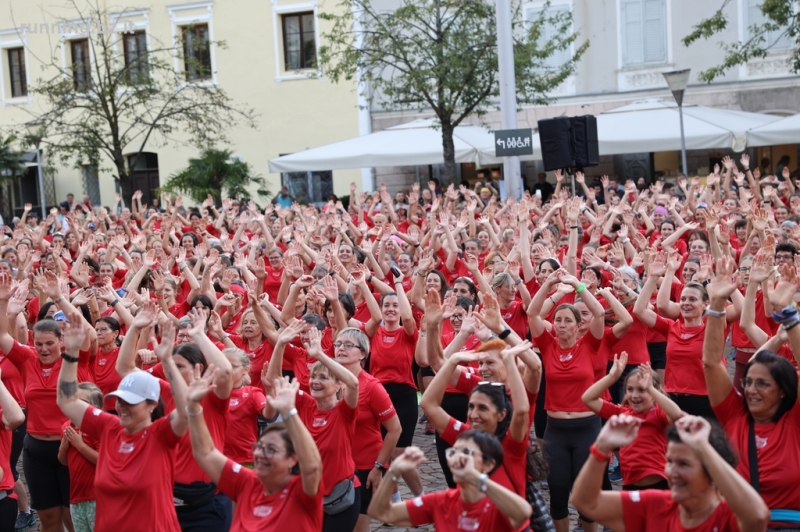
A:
x,y
292,114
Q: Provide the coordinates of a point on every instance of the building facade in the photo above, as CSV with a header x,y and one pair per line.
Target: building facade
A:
x,y
632,42
263,54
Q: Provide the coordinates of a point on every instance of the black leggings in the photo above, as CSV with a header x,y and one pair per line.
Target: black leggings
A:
x,y
345,521
694,405
540,415
566,447
17,441
48,479
212,516
660,485
404,399
8,513
455,404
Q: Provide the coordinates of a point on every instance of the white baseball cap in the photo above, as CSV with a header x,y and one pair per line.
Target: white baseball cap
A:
x,y
136,387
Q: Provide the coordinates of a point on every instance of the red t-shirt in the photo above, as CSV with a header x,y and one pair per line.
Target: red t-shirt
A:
x,y
767,324
134,476
81,470
374,408
44,416
655,510
684,372
516,317
291,509
569,372
106,377
392,354
258,357
634,342
450,513
332,431
300,363
272,282
12,379
647,454
244,405
7,482
777,447
215,412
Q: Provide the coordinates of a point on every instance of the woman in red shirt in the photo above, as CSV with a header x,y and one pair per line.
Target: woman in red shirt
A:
x,y
105,361
284,491
371,451
245,404
332,424
477,503
569,361
706,493
12,417
766,413
136,461
392,348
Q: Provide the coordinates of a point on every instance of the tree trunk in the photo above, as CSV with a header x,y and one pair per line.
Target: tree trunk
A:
x,y
449,152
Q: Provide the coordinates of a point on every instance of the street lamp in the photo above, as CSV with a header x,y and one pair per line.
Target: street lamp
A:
x,y
36,132
677,81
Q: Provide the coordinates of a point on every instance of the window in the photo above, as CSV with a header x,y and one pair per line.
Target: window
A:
x,y
299,41
550,31
309,187
644,32
135,50
196,56
91,183
81,71
773,40
16,68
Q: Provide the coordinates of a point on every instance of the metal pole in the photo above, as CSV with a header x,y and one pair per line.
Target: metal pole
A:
x,y
508,93
41,182
683,143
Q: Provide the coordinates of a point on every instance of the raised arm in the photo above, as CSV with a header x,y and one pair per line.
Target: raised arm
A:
x,y
126,359
592,397
223,383
431,402
67,397
520,423
718,381
178,418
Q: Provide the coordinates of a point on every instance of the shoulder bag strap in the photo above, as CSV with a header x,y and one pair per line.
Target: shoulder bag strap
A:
x,y
752,455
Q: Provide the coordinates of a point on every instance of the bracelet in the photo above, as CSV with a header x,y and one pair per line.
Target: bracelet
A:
x,y
505,334
788,313
114,303
183,266
715,313
574,226
518,281
392,475
553,301
790,325
369,279
290,413
224,336
380,466
598,454
193,414
69,358
626,240
482,487
581,288
59,298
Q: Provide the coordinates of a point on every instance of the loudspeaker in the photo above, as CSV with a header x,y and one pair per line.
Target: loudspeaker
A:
x,y
585,146
555,137
569,142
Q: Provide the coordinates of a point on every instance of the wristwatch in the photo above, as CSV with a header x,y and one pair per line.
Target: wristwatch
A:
x,y
381,467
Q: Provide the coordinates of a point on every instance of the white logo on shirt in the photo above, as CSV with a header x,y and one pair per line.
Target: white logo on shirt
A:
x,y
46,371
251,355
761,442
565,358
319,422
97,412
418,502
101,361
386,411
635,497
457,425
234,402
468,523
126,447
686,336
388,339
262,511
507,316
245,395
237,467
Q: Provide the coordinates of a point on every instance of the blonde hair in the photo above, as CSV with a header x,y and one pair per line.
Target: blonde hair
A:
x,y
656,384
234,353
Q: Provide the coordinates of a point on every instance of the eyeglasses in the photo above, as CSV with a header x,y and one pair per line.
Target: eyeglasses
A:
x,y
468,451
457,317
784,256
346,345
760,384
267,450
744,270
102,331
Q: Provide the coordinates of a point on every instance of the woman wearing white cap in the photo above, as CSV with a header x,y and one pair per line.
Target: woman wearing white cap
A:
x,y
136,462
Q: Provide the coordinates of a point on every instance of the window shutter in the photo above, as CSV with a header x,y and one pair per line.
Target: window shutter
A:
x,y
632,32
655,26
559,57
775,40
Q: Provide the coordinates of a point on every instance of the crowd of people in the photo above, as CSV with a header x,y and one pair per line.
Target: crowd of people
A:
x,y
174,368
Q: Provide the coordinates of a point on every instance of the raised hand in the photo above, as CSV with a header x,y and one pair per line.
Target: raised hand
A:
x,y
618,367
411,459
313,343
164,349
284,394
693,431
619,431
645,377
201,385
783,292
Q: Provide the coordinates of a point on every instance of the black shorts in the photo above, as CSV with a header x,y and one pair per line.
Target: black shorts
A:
x,y
17,440
658,354
404,399
428,372
366,493
48,479
694,405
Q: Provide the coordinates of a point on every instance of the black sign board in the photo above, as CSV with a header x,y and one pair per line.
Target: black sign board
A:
x,y
510,142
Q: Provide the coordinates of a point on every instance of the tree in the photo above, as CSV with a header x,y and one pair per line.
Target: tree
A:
x,y
10,162
443,56
217,175
122,103
780,21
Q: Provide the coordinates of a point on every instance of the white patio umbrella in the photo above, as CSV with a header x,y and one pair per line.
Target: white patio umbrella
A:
x,y
414,143
783,131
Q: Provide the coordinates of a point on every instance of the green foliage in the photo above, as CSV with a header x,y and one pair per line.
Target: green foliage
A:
x,y
126,109
217,175
10,159
780,17
443,56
